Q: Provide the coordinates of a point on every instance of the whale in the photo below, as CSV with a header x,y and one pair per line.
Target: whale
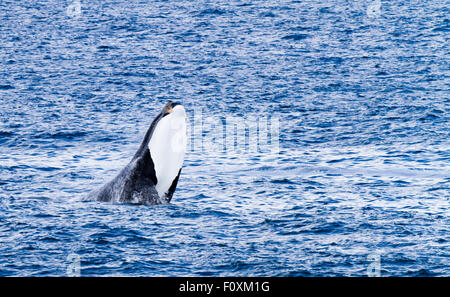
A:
x,y
152,175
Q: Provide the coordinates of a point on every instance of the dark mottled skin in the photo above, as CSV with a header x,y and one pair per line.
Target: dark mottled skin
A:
x,y
136,182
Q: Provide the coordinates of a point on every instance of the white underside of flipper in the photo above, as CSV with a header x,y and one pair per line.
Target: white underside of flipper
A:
x,y
167,148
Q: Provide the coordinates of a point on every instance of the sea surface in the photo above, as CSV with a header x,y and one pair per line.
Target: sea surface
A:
x,y
359,184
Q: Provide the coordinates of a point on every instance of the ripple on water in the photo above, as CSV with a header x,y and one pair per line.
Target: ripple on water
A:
x,y
363,163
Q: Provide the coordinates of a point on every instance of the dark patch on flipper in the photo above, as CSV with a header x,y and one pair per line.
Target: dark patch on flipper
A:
x,y
143,180
173,187
148,167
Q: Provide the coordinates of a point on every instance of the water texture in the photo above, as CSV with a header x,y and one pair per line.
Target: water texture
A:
x,y
359,186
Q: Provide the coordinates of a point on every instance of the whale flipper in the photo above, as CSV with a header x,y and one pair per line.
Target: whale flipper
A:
x,y
138,182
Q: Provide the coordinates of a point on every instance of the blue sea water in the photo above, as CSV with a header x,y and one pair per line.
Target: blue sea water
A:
x,y
360,185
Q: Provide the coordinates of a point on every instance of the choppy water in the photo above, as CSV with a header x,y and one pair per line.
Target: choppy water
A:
x,y
361,91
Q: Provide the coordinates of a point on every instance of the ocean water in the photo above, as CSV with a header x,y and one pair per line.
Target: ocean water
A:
x,y
359,182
